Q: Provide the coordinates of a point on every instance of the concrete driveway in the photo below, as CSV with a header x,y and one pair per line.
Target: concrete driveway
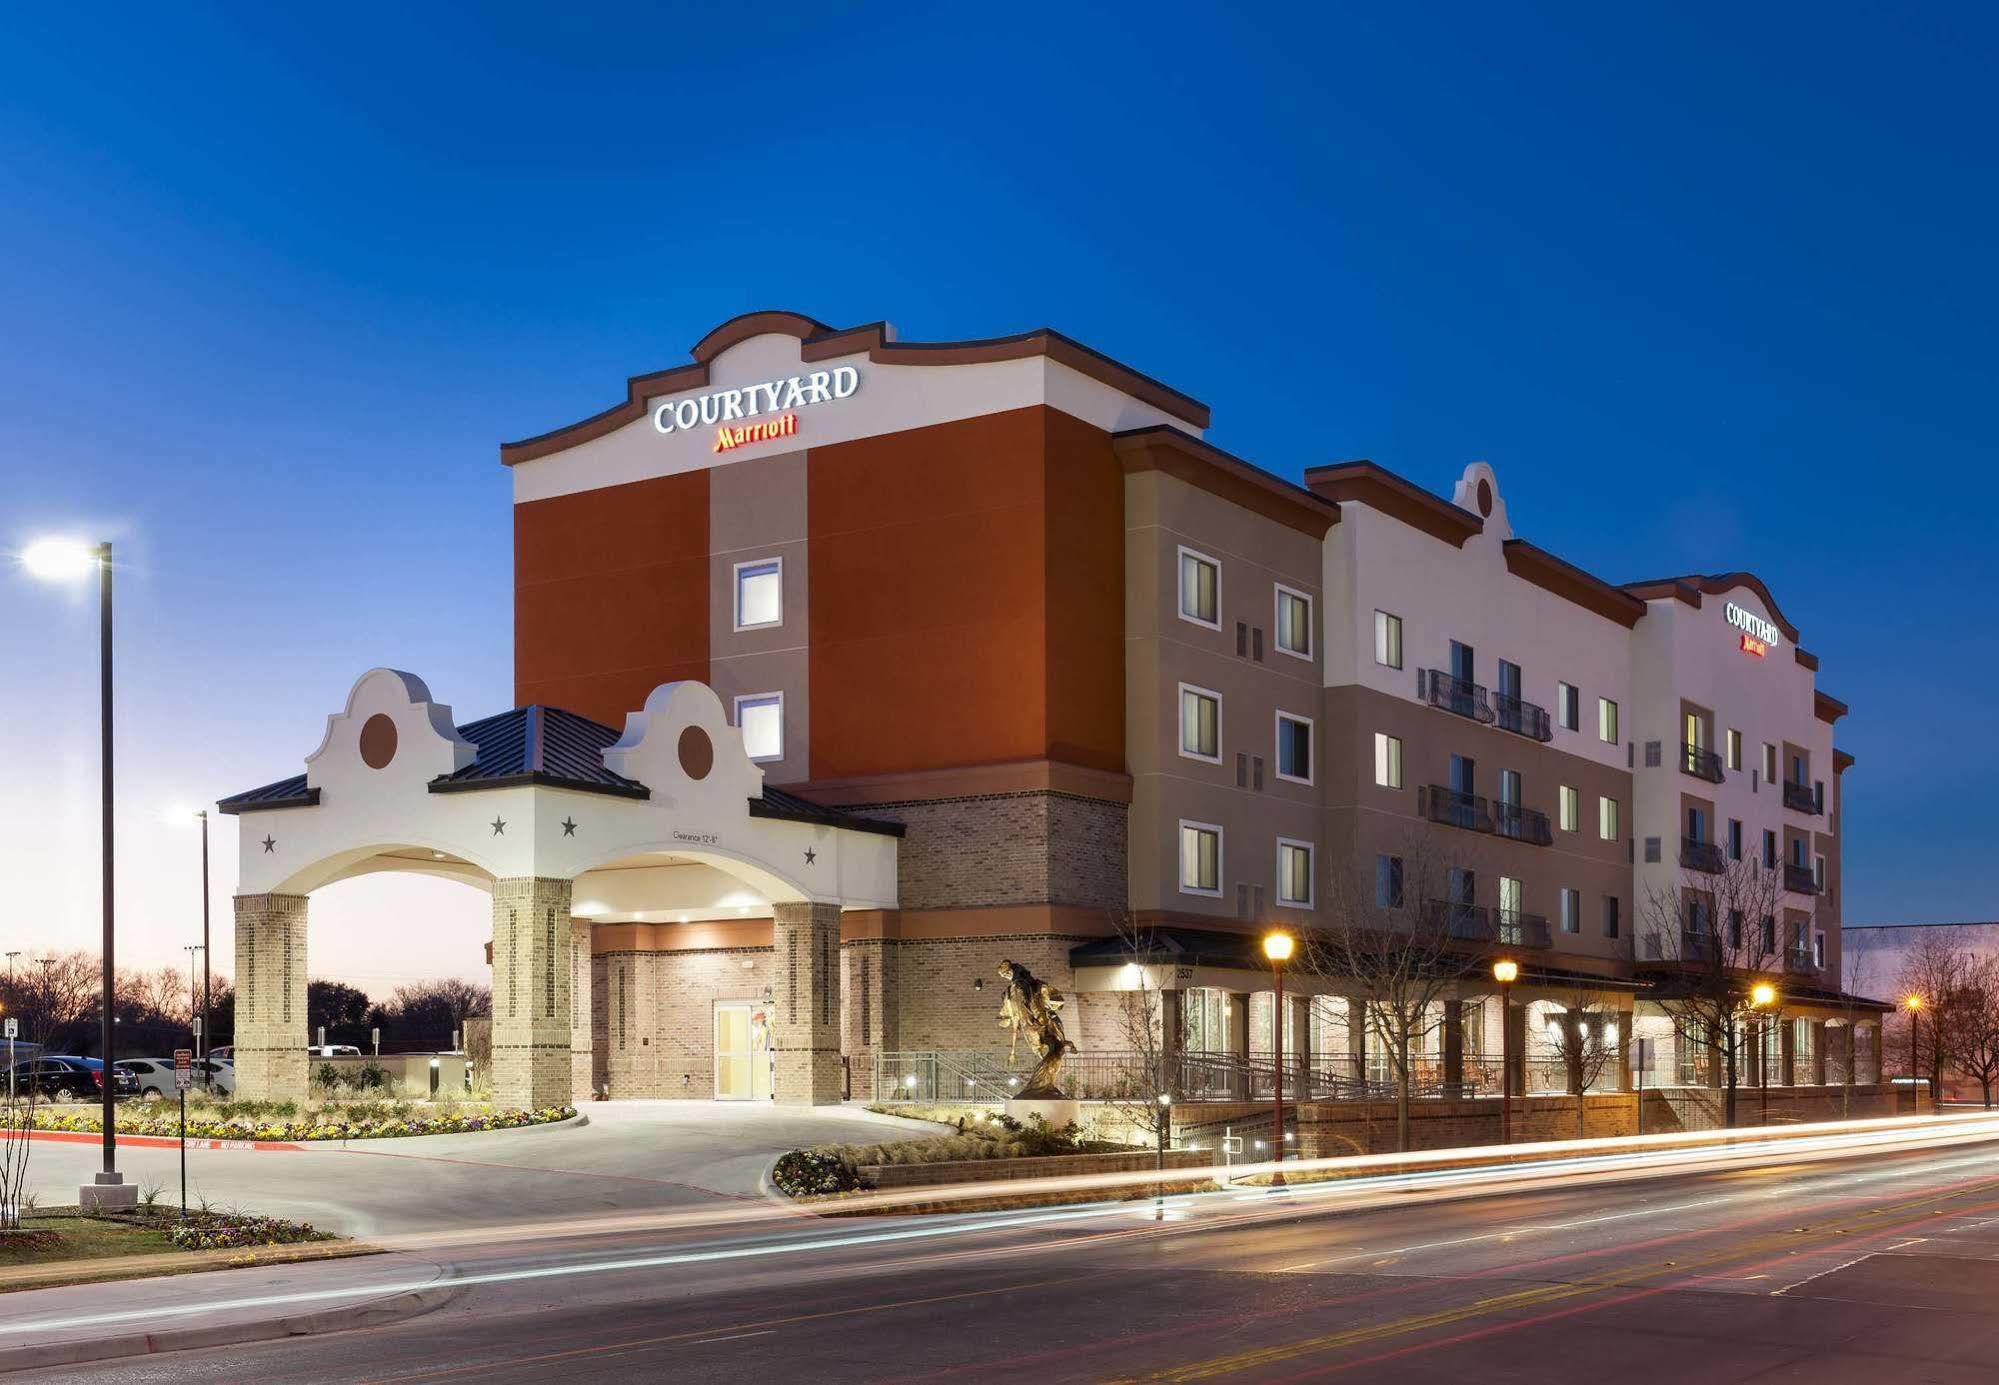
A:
x,y
629,1156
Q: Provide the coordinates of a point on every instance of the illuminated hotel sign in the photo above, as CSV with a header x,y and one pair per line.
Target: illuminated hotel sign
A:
x,y
1758,634
728,411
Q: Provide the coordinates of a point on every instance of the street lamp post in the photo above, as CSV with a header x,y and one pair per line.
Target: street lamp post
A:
x,y
202,1041
1506,972
1277,947
1914,1005
1760,995
56,560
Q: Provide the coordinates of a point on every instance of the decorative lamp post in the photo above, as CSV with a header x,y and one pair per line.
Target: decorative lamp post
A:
x,y
1914,1005
58,560
1506,972
1277,947
180,817
1761,996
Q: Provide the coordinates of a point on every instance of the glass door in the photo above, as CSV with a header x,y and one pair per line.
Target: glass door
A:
x,y
742,1052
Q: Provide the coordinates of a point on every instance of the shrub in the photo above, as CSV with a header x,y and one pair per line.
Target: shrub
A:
x,y
206,1230
811,1172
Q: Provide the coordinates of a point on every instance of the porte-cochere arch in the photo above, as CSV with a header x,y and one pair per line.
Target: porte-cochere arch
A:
x,y
571,826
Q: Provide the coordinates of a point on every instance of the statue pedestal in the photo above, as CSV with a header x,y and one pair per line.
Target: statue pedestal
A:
x,y
1057,1111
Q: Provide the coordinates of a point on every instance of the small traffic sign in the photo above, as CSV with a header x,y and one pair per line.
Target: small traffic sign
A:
x,y
184,1068
13,1027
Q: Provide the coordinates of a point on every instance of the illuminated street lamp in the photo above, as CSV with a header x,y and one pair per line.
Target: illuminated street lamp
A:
x,y
1761,995
1506,972
1914,1004
59,560
1277,947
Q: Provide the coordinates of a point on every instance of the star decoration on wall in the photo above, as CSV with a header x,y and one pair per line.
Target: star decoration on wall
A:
x,y
810,855
499,827
569,827
270,844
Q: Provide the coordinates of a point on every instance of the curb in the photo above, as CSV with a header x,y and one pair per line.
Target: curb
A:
x,y
92,1137
394,1309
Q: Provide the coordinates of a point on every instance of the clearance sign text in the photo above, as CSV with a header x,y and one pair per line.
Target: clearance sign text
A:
x,y
773,405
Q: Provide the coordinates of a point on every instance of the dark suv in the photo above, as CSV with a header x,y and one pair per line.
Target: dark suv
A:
x,y
61,1077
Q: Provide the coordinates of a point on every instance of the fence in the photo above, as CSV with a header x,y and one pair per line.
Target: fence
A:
x,y
978,1076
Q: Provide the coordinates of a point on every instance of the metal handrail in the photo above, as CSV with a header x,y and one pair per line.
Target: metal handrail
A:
x,y
1700,762
1696,854
1450,694
1522,718
1802,798
1522,824
1453,809
1511,928
1800,959
1799,879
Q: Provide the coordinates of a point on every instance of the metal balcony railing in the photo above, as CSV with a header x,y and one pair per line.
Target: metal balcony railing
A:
x,y
1512,928
1800,959
1695,945
1464,923
1440,689
1696,854
1700,762
1452,808
1799,879
1802,798
1522,718
1522,824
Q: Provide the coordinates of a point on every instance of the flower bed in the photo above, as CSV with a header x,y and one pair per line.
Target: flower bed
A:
x,y
831,1169
238,1231
371,1122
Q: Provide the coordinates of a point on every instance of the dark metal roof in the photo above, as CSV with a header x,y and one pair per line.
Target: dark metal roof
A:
x,y
539,745
1181,947
789,807
286,793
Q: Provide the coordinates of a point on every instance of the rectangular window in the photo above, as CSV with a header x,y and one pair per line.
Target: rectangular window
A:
x,y
1735,839
1611,920
1572,911
1294,748
1568,707
1464,662
1387,640
1818,871
1572,810
1510,680
1769,850
1294,622
1509,897
1769,763
1735,928
1388,882
1200,589
1509,787
760,717
1734,747
1200,724
1200,858
1818,950
1294,873
1606,721
1606,819
1769,935
760,594
1387,760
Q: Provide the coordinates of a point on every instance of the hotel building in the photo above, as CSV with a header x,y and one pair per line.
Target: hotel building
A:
x,y
847,668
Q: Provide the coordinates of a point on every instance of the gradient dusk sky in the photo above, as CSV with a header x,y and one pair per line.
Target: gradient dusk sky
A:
x,y
1711,287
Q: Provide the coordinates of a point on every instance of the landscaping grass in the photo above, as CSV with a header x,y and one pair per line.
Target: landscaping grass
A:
x,y
64,1246
80,1238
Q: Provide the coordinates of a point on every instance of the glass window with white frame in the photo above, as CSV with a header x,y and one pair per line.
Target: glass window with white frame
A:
x,y
1387,640
1571,808
1733,744
1200,858
1769,763
1200,724
760,717
1200,589
1387,760
1606,721
1294,873
1294,748
1572,911
760,594
1294,622
1606,819
1568,707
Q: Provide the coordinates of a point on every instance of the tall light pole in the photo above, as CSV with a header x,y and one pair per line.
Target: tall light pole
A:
x,y
60,560
203,1042
1761,995
1914,1005
1277,947
1506,972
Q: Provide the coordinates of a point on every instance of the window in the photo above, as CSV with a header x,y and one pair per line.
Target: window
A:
x,y
1733,744
1509,898
1606,819
1294,622
1388,882
1294,748
760,717
1735,928
760,594
1387,760
1387,640
1818,950
1294,873
1568,707
1652,850
1509,787
1200,858
1735,839
1200,589
1606,720
1769,935
1769,849
1510,679
1200,724
1818,871
1572,811
1769,763
1572,911
1611,920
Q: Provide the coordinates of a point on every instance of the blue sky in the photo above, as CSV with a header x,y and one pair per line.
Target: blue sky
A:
x,y
1711,288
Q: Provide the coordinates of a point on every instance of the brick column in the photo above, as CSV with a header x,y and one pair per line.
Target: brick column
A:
x,y
533,992
582,1048
1172,1037
1819,1032
270,997
1239,1023
867,1006
1623,1050
1454,1043
805,1033
1787,1055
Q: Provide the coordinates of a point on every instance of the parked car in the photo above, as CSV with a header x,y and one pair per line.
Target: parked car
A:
x,y
225,1053
333,1050
155,1076
66,1077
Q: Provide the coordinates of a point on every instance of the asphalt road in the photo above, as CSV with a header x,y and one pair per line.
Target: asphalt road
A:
x,y
1880,1269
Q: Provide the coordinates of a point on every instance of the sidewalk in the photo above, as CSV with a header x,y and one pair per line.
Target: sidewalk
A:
x,y
137,1317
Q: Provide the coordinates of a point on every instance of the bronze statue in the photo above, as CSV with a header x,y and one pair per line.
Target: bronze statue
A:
x,y
1033,1005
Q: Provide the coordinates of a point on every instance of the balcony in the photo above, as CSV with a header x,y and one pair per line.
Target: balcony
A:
x,y
1522,718
1696,945
1522,824
1453,809
1439,689
1700,762
1799,879
1802,798
1800,960
1473,923
1701,856
1512,928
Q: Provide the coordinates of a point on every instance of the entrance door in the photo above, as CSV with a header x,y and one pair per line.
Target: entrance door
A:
x,y
742,1051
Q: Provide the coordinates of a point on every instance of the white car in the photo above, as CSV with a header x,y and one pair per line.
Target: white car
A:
x,y
155,1076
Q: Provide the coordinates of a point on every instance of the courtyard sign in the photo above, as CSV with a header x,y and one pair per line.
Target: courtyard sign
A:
x,y
731,406
1758,634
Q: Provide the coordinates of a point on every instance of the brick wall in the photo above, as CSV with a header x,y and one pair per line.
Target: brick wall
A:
x,y
653,1016
270,997
1015,848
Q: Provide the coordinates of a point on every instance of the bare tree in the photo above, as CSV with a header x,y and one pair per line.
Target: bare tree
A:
x,y
1585,1042
17,1121
1975,1050
1140,1020
1719,924
1394,937
58,990
1937,967
1856,964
